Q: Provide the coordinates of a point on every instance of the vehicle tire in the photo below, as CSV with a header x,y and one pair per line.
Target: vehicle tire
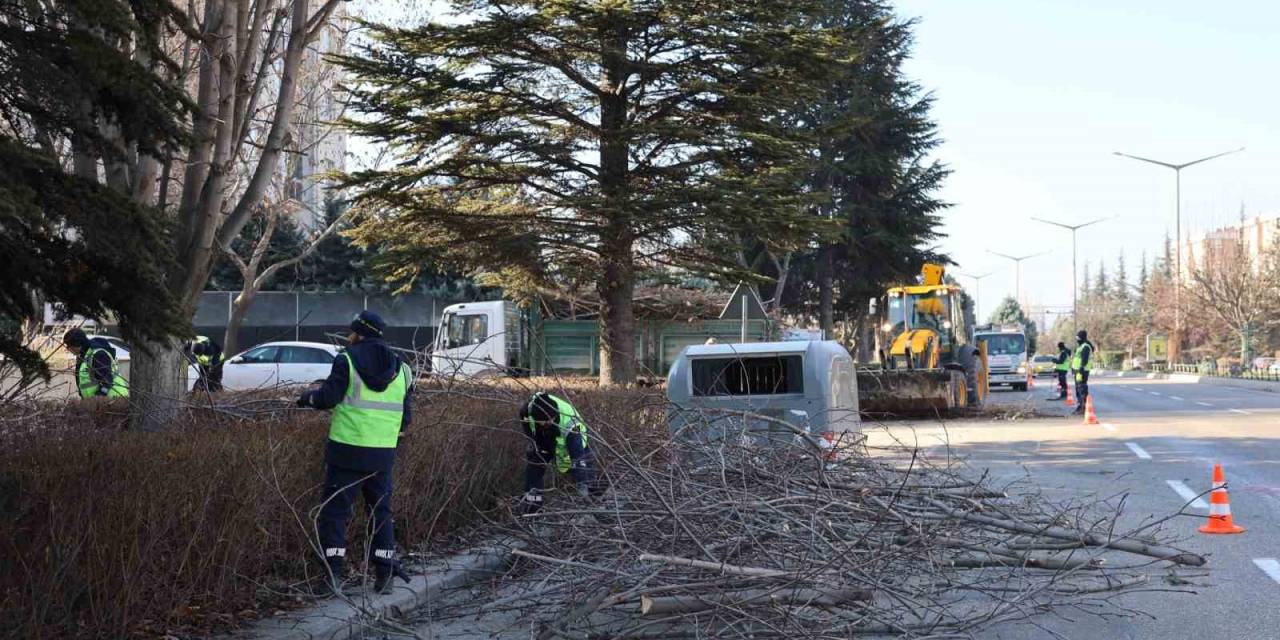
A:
x,y
1020,387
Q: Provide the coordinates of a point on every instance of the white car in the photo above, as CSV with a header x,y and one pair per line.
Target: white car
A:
x,y
278,363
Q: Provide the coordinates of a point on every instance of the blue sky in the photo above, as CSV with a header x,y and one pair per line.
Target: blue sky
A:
x,y
1033,96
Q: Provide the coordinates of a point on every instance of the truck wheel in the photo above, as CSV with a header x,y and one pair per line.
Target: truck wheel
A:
x,y
1020,387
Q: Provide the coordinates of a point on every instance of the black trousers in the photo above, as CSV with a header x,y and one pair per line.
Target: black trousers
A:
x,y
340,489
210,377
543,454
1062,384
1082,388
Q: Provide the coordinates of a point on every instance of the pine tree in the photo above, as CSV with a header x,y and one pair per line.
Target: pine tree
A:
x,y
77,107
582,139
1120,286
337,263
1102,286
1010,312
872,130
1143,276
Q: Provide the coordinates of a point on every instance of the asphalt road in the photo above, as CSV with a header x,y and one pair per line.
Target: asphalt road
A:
x,y
1155,450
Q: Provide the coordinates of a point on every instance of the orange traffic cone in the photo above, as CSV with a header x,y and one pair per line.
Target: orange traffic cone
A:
x,y
1220,506
1089,416
1031,380
1071,396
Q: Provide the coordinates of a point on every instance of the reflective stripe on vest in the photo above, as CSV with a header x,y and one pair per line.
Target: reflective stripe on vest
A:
x,y
368,418
570,422
89,387
1079,357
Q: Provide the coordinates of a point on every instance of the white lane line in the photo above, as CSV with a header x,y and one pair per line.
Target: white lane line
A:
x,y
1175,398
1203,404
1138,451
1154,393
1240,412
1108,426
1187,494
1269,566
1137,388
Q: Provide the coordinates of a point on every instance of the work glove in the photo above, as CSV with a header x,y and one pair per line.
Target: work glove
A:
x,y
304,400
102,392
583,490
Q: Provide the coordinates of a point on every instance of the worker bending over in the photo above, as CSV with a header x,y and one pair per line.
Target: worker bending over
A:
x,y
1082,363
97,374
557,435
207,356
369,390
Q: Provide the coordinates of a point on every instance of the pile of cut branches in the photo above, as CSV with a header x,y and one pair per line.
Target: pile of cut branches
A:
x,y
752,536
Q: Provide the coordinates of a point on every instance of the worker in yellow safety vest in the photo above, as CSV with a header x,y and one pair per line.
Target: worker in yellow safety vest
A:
x,y
370,392
557,436
97,374
1081,364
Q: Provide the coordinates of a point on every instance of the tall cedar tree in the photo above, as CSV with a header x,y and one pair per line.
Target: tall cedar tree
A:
x,y
589,138
872,132
98,250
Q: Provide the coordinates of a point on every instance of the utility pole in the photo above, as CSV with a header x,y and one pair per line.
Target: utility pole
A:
x,y
977,292
1017,262
1075,289
1176,340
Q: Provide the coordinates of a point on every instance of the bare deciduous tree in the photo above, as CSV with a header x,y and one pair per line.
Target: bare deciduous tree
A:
x,y
1237,285
248,56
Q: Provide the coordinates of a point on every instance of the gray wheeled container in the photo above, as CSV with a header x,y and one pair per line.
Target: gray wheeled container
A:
x,y
717,391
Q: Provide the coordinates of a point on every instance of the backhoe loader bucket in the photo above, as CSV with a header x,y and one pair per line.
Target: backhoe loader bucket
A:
x,y
911,392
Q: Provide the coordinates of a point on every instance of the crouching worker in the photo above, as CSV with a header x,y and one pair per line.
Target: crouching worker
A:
x,y
97,374
369,390
557,435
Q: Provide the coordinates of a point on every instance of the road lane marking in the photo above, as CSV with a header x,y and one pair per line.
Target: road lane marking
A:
x,y
1240,412
1154,393
1187,494
1203,404
1137,388
1138,451
1269,566
1175,398
1108,426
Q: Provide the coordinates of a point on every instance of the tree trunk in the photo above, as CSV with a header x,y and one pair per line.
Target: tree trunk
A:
x,y
617,323
826,319
239,309
865,340
157,385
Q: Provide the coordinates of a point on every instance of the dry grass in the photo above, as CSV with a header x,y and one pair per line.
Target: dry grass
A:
x,y
109,533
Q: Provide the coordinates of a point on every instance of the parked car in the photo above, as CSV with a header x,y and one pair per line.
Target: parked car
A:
x,y
279,363
1042,365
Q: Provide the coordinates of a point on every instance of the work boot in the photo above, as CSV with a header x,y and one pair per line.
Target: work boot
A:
x,y
383,574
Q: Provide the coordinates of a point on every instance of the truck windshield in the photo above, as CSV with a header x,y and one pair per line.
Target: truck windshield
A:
x,y
460,330
1004,345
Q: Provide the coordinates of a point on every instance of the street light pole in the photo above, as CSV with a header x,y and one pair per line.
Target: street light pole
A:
x,y
1177,224
1075,289
1017,262
977,290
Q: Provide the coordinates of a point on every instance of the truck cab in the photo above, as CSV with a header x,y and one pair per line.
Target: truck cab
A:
x,y
479,339
1006,355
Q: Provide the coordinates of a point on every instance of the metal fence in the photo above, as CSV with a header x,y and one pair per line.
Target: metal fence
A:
x,y
1211,369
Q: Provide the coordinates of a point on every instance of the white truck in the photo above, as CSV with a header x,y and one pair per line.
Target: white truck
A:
x,y
1006,355
480,339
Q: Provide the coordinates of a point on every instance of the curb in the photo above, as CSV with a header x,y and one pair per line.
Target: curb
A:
x,y
334,619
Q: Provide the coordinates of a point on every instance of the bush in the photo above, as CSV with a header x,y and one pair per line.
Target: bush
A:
x,y
112,533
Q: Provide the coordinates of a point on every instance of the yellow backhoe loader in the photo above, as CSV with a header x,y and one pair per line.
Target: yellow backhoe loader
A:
x,y
930,364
